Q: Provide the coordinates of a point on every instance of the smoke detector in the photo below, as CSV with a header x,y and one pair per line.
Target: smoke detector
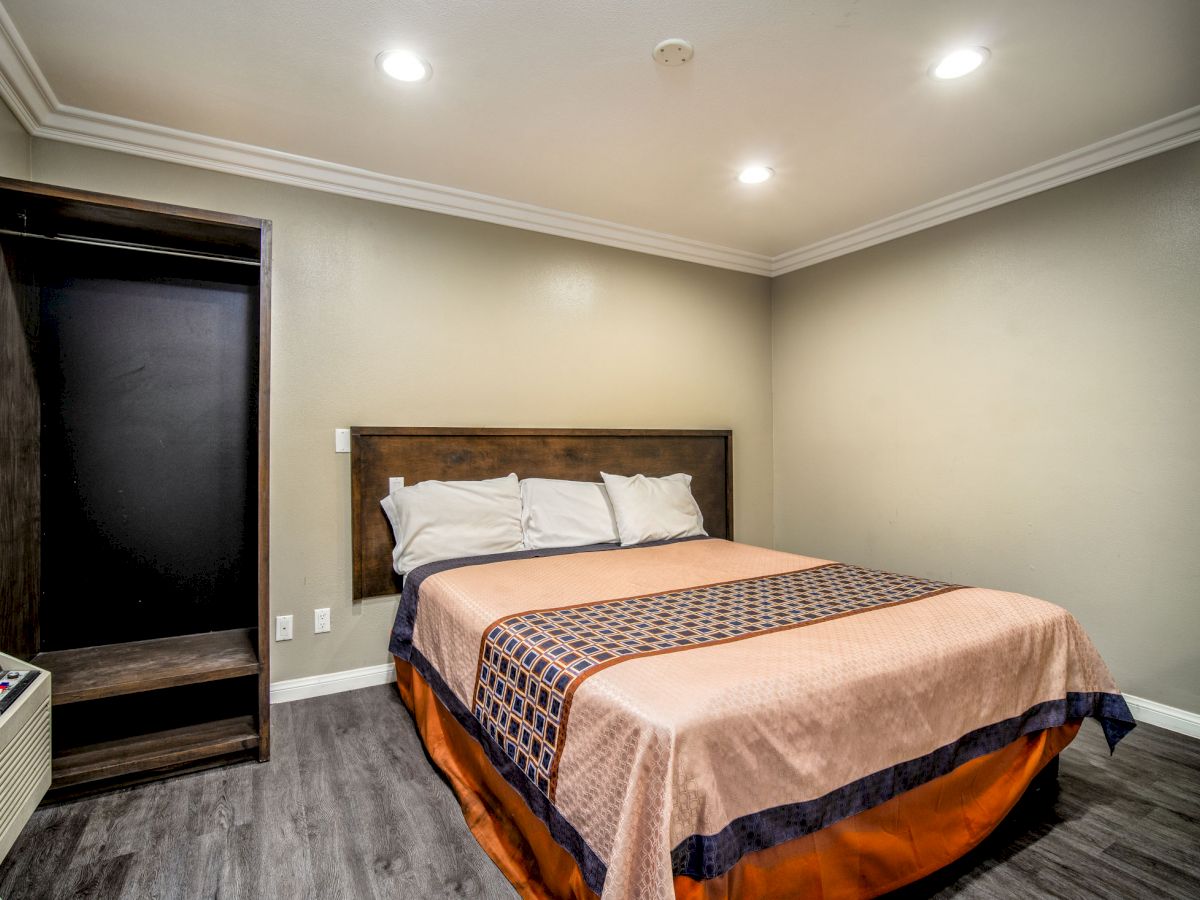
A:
x,y
672,52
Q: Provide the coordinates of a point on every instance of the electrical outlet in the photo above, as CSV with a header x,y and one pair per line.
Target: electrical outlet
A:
x,y
341,440
320,620
283,628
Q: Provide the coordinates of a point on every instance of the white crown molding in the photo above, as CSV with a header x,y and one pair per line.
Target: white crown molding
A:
x,y
25,89
22,84
1156,137
332,683
80,126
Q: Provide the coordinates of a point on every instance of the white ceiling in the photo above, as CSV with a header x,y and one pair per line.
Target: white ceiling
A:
x,y
559,104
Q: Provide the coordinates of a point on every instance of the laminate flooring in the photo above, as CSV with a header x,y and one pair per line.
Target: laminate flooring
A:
x,y
350,807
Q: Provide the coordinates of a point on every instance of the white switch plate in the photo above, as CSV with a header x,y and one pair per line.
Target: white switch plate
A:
x,y
283,628
395,483
341,440
320,620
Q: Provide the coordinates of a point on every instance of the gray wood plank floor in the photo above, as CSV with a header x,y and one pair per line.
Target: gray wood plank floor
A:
x,y
349,807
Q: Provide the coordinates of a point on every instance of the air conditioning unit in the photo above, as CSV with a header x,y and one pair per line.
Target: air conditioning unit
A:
x,y
24,745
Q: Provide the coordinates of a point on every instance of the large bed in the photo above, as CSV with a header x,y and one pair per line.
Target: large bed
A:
x,y
702,718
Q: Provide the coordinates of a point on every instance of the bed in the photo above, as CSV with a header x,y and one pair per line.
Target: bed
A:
x,y
701,718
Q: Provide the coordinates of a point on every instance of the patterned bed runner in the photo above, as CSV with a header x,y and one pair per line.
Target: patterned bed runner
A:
x,y
530,664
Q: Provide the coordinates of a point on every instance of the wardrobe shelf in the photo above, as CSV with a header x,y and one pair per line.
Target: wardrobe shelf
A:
x,y
92,673
158,750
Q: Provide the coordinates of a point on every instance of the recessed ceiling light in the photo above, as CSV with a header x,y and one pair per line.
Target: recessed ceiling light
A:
x,y
960,63
404,66
755,174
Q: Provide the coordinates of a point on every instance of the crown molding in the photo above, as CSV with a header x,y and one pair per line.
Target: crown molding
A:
x,y
22,84
91,129
25,89
1156,137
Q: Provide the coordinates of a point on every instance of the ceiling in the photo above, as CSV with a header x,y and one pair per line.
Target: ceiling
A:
x,y
559,107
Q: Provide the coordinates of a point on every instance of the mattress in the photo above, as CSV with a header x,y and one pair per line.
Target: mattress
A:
x,y
672,715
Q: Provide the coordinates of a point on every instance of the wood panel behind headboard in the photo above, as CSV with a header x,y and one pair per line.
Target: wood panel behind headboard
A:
x,y
578,454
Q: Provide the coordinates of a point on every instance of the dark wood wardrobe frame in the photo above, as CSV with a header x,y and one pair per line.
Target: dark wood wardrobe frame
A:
x,y
39,212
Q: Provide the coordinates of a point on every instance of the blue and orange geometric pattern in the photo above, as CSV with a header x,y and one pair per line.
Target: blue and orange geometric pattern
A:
x,y
530,663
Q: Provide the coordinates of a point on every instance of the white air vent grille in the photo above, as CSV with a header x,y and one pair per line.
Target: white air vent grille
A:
x,y
24,773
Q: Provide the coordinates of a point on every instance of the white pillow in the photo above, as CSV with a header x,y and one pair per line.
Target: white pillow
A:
x,y
653,509
566,514
437,520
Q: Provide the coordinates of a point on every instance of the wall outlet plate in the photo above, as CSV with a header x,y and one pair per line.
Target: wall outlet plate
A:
x,y
321,620
283,628
341,440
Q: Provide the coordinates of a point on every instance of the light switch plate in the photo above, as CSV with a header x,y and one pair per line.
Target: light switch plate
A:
x,y
341,440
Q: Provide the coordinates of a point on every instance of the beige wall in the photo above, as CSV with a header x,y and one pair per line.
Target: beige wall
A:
x,y
389,316
14,146
1013,400
1007,400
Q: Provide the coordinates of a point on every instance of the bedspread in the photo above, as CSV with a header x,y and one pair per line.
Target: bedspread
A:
x,y
667,709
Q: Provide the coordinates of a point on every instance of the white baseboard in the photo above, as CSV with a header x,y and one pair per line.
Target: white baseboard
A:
x,y
1148,711
1144,711
332,683
1169,717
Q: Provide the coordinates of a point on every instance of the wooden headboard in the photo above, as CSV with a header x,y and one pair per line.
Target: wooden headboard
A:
x,y
578,454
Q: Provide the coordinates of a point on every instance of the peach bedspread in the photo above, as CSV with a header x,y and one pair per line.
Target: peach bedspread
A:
x,y
654,744
864,855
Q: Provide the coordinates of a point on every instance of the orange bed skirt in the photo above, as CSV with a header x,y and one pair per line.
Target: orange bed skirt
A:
x,y
865,855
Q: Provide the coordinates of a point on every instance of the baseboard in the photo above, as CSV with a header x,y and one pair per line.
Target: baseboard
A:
x,y
1152,713
1169,717
332,683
